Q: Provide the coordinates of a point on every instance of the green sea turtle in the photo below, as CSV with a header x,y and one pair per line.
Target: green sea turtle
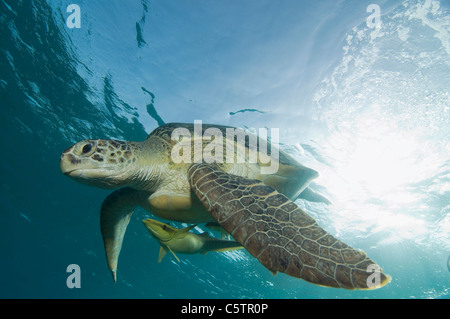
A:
x,y
256,209
185,242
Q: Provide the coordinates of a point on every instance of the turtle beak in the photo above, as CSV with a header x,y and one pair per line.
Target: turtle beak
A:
x,y
64,164
68,162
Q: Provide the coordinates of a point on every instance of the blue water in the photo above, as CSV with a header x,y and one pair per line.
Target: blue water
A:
x,y
367,106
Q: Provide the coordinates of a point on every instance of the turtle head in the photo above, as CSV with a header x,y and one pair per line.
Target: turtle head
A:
x,y
101,163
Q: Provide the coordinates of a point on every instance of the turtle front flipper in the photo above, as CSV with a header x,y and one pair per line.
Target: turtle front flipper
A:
x,y
115,215
280,234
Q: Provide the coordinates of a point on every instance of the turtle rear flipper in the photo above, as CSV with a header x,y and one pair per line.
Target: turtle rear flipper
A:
x,y
278,233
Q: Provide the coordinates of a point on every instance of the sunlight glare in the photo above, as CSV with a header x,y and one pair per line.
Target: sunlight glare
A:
x,y
379,159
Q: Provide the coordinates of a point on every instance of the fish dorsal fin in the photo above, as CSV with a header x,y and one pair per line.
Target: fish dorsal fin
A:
x,y
187,229
180,233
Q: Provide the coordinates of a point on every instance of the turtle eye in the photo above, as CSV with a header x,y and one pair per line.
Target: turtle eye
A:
x,y
164,227
88,149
